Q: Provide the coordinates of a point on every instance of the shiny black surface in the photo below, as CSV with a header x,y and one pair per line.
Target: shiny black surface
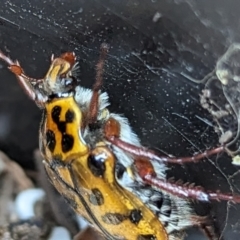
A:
x,y
152,43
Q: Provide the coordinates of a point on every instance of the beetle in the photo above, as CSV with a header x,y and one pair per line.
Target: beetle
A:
x,y
96,161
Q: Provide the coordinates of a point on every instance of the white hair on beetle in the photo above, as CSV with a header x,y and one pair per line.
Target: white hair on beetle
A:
x,y
83,97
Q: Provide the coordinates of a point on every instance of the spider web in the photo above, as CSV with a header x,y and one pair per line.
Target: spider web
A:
x,y
150,46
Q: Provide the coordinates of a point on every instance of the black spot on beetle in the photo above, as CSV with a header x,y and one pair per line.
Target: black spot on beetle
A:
x,y
67,142
56,114
61,127
51,140
56,111
96,165
96,197
69,116
135,216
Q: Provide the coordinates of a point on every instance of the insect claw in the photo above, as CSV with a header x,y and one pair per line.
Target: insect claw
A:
x,y
16,69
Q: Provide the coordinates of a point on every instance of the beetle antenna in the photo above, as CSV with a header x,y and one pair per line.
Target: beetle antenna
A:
x,y
94,102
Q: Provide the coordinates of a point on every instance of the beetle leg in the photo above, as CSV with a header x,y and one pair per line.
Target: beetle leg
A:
x,y
150,154
188,190
207,226
208,231
26,82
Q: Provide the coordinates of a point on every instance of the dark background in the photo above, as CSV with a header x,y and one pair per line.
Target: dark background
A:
x,y
152,43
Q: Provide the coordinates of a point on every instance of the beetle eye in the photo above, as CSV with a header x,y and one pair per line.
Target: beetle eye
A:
x,y
96,164
68,81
